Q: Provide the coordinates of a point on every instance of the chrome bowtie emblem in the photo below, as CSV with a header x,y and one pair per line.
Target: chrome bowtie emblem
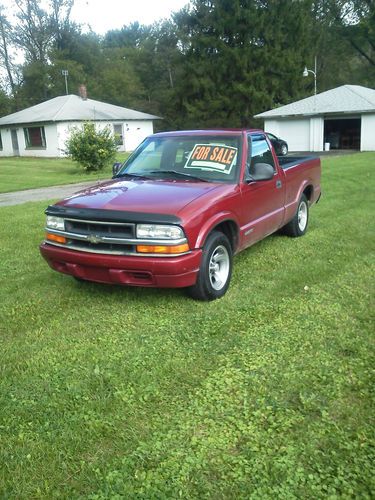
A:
x,y
93,238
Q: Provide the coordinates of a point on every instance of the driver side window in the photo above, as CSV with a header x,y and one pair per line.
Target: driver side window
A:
x,y
259,152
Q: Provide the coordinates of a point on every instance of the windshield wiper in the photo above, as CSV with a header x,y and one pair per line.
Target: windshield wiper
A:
x,y
181,174
126,174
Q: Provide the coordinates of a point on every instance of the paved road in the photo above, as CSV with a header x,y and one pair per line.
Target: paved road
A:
x,y
39,194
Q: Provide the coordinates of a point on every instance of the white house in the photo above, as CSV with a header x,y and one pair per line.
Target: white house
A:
x,y
343,117
42,130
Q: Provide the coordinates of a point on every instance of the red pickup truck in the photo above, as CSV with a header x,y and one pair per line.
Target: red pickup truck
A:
x,y
179,208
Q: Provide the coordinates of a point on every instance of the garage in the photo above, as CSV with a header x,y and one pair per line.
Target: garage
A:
x,y
343,133
342,118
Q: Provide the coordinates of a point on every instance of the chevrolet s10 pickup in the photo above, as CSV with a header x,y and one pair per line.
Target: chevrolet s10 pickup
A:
x,y
179,208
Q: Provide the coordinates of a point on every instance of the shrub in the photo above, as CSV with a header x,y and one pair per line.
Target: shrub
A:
x,y
92,149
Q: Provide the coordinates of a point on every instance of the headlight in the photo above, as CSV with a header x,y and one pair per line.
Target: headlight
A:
x,y
55,223
158,232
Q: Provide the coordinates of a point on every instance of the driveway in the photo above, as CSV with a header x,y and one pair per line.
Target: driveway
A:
x,y
48,193
59,192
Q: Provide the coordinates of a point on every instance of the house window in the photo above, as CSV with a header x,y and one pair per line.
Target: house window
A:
x,y
1,143
35,137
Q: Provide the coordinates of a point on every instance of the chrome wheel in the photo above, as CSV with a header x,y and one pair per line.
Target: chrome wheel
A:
x,y
215,269
302,216
219,267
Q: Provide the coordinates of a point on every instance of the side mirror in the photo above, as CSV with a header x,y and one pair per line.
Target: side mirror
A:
x,y
262,172
116,168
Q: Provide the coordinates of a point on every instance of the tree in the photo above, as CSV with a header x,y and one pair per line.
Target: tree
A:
x,y
5,50
240,57
92,149
38,32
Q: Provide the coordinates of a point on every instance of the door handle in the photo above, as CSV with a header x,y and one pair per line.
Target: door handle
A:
x,y
279,184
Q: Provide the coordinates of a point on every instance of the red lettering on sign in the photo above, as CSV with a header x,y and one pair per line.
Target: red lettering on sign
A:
x,y
214,153
195,152
220,155
230,156
208,149
203,153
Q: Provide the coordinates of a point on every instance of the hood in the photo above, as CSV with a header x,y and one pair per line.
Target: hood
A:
x,y
168,197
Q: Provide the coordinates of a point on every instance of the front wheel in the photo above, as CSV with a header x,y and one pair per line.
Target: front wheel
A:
x,y
216,268
298,225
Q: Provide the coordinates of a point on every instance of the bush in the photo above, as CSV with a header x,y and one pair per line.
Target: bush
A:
x,y
92,149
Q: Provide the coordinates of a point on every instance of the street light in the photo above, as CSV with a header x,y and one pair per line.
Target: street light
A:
x,y
306,73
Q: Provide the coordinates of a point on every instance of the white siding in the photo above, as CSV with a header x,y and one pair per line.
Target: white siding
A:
x,y
272,126
134,132
368,132
7,143
295,132
316,134
51,141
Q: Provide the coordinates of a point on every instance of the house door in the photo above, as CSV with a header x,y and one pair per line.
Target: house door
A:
x,y
119,138
16,149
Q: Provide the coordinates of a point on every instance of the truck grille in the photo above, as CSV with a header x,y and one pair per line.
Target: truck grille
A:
x,y
118,230
100,237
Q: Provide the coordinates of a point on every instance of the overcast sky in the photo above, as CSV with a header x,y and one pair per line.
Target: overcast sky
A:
x,y
103,15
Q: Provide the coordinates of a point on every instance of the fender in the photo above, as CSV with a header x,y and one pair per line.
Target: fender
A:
x,y
211,223
304,185
291,207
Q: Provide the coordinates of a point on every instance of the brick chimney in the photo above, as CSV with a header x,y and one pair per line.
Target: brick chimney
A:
x,y
82,91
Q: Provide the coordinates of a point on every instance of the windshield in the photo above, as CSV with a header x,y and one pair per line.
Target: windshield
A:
x,y
200,157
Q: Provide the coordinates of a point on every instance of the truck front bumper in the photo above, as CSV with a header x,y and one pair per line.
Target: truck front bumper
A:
x,y
161,272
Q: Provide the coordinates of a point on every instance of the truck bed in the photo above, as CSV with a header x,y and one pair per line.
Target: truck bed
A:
x,y
286,162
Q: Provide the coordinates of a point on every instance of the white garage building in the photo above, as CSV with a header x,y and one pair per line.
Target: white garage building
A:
x,y
343,117
42,130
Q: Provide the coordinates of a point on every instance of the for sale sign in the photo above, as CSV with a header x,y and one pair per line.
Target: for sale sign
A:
x,y
212,157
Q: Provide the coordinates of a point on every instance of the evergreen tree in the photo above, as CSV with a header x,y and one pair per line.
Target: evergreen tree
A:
x,y
241,57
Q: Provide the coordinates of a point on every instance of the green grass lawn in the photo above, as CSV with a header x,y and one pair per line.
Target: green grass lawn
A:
x,y
26,173
111,392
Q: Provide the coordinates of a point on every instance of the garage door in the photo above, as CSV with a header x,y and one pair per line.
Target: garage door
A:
x,y
296,133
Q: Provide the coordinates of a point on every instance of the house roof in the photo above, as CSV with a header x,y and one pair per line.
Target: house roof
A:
x,y
344,99
73,108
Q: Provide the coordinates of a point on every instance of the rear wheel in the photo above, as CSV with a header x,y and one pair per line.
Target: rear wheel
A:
x,y
298,225
216,268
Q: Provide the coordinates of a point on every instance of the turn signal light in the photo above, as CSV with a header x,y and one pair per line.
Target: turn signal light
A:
x,y
174,249
55,237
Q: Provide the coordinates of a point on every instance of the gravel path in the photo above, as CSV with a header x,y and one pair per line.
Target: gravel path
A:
x,y
48,193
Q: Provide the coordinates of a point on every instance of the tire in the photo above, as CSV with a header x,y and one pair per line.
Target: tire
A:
x,y
298,225
284,150
215,270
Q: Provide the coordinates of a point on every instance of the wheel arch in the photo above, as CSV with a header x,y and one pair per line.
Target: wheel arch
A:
x,y
308,191
224,224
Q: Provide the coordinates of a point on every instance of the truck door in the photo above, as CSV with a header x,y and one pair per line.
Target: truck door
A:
x,y
262,201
